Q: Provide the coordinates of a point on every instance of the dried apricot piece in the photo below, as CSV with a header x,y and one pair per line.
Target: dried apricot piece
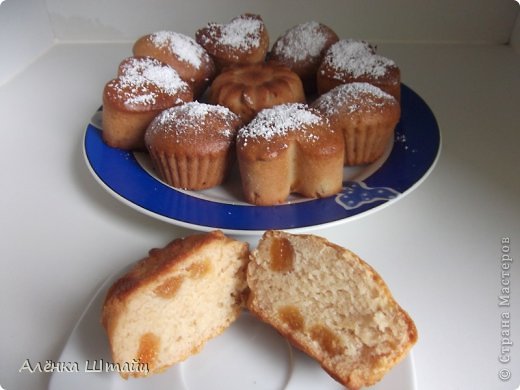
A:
x,y
292,317
169,287
199,269
327,340
282,255
148,349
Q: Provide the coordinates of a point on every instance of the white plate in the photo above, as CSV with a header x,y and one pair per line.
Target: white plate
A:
x,y
248,355
409,159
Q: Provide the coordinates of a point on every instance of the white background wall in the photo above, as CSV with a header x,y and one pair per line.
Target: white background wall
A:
x,y
389,20
25,33
29,27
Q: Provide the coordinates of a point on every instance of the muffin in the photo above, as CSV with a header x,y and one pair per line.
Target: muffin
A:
x,y
301,49
289,148
192,146
169,304
365,115
143,88
330,304
246,90
187,57
349,61
242,41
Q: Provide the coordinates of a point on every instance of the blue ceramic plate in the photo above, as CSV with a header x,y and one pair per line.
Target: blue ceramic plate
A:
x,y
408,160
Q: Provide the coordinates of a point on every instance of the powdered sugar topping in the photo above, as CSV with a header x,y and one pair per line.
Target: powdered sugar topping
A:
x,y
192,118
241,33
356,58
302,41
279,121
353,97
184,47
142,79
349,48
150,69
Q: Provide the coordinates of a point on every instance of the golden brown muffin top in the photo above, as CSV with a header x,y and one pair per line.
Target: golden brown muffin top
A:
x,y
183,53
356,99
274,129
236,41
193,127
181,46
247,89
303,46
357,59
144,84
255,75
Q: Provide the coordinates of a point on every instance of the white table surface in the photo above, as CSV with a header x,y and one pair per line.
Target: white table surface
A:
x,y
439,248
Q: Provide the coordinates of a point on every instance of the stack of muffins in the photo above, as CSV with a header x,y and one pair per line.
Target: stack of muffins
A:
x,y
292,117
